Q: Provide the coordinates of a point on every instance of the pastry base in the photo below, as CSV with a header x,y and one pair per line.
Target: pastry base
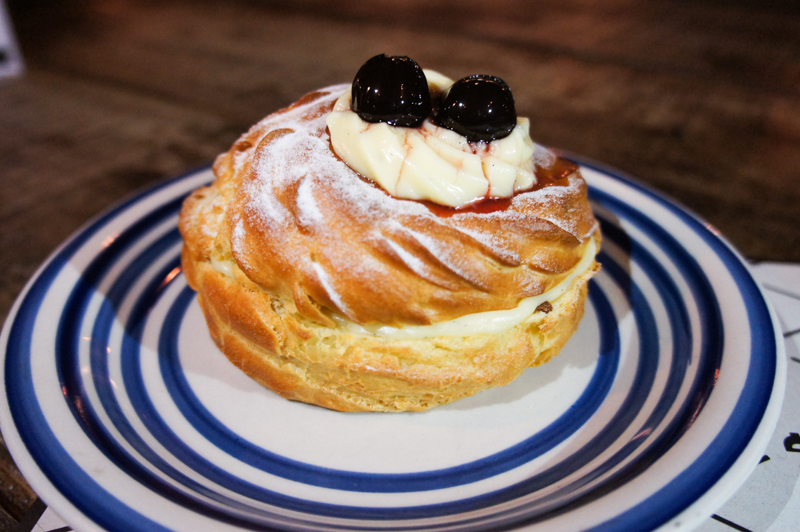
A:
x,y
266,337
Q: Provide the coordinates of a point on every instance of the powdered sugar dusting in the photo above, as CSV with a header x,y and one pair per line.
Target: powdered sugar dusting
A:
x,y
552,202
416,265
493,242
325,280
302,160
444,252
542,156
310,213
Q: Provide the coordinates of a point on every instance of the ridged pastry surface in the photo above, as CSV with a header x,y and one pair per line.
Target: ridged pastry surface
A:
x,y
300,224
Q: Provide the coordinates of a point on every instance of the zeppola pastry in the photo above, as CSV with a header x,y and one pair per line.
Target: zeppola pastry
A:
x,y
392,244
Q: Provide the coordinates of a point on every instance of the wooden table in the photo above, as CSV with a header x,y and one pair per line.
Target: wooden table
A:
x,y
700,100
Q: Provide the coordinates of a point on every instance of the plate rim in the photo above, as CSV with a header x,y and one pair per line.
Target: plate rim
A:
x,y
745,464
690,517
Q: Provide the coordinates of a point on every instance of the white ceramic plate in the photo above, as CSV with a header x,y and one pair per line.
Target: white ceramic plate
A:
x,y
122,413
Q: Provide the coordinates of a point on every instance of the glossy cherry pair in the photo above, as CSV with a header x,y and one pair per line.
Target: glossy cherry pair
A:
x,y
393,89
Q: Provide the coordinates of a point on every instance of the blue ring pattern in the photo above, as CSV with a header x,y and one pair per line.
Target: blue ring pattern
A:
x,y
495,464
761,374
147,412
147,258
19,345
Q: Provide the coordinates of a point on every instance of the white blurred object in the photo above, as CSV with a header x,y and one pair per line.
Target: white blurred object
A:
x,y
49,522
10,57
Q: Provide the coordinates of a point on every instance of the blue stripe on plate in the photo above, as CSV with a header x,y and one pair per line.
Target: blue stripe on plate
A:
x,y
486,467
125,282
150,414
67,477
89,419
740,427
40,441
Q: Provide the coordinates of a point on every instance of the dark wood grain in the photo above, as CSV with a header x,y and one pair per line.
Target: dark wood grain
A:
x,y
700,100
16,496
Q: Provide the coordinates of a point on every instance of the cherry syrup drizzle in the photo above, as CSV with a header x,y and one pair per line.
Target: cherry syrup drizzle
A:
x,y
553,176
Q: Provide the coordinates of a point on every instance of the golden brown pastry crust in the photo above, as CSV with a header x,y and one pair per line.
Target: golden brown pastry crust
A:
x,y
288,236
269,340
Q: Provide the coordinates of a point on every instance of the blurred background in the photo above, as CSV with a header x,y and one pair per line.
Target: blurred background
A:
x,y
698,99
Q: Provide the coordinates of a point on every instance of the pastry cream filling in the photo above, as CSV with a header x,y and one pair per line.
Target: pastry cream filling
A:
x,y
225,267
430,162
491,322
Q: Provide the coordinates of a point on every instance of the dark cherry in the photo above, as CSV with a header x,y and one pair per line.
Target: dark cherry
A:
x,y
479,107
391,89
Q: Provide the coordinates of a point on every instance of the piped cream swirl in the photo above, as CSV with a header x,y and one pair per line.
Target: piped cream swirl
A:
x,y
431,162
